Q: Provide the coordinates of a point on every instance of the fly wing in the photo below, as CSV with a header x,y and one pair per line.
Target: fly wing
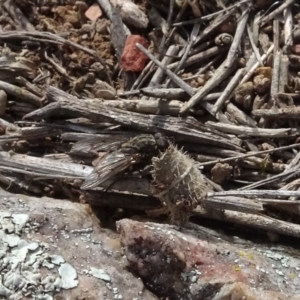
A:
x,y
90,146
111,164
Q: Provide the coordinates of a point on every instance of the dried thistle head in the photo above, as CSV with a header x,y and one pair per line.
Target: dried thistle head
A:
x,y
178,183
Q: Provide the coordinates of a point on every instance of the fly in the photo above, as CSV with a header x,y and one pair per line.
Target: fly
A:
x,y
139,149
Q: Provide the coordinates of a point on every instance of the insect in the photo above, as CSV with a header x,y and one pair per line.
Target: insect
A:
x,y
139,149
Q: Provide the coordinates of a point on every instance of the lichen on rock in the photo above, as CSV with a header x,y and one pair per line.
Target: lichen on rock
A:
x,y
27,270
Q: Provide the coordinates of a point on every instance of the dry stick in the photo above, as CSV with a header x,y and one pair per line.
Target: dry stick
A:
x,y
147,106
220,74
207,17
159,22
235,115
242,156
233,203
108,9
279,177
173,93
59,69
203,69
256,65
202,47
275,79
173,76
189,46
166,32
256,28
284,73
142,75
194,34
223,71
198,58
214,25
276,36
249,131
232,54
9,127
228,91
293,163
159,74
252,220
276,12
253,45
288,27
282,113
187,88
17,16
20,93
164,93
256,193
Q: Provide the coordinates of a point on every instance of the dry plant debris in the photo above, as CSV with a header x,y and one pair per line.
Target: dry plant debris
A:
x,y
82,81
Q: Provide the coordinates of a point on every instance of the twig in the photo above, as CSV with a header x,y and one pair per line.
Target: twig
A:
x,y
214,25
283,74
146,106
276,12
221,73
288,27
276,35
20,93
282,113
159,22
282,177
275,79
252,220
256,193
159,74
214,201
228,90
17,16
200,57
235,115
255,49
173,76
9,127
242,156
248,131
232,54
249,74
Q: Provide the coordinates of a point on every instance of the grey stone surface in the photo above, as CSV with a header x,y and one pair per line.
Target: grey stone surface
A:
x,y
55,249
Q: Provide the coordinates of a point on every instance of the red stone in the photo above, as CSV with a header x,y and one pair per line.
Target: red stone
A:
x,y
132,58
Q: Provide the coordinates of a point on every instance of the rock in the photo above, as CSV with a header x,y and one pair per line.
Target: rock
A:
x,y
103,90
56,249
261,84
132,58
198,264
221,172
243,94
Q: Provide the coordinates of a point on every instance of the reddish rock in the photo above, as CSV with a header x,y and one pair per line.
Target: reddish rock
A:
x,y
198,265
132,58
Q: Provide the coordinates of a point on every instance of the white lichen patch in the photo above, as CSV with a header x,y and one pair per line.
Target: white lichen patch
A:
x,y
100,274
68,276
26,268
